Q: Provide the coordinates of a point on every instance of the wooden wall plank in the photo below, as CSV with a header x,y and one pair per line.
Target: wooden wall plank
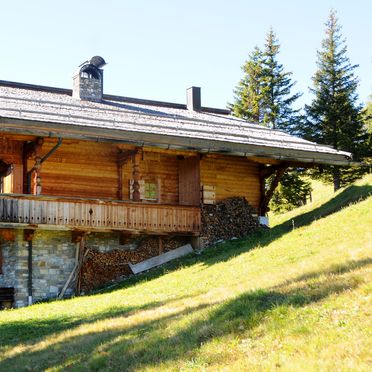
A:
x,y
232,176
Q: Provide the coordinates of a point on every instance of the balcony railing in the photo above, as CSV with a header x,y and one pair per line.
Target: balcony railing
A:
x,y
100,215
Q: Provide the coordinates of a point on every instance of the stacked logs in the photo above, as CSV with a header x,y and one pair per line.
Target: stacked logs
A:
x,y
101,268
229,218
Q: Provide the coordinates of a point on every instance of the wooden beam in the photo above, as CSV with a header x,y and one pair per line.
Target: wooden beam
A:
x,y
37,176
30,149
266,197
28,235
77,236
125,238
136,178
123,157
160,245
7,235
267,171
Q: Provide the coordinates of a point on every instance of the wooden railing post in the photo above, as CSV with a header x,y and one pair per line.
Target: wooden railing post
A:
x,y
37,176
136,178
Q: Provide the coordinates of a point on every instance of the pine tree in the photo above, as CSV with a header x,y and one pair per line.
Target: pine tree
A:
x,y
291,193
248,93
276,89
264,96
368,116
334,116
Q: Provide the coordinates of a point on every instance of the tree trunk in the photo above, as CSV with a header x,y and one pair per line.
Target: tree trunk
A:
x,y
336,178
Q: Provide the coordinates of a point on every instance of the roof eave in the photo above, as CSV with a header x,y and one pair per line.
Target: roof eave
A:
x,y
99,134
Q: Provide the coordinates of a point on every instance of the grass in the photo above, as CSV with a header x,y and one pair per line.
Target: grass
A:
x,y
296,297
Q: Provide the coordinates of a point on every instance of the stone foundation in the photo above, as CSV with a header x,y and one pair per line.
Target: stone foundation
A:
x,y
53,259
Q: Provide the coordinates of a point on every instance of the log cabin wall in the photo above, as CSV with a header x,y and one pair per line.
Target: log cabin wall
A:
x,y
79,168
161,169
89,169
231,176
11,153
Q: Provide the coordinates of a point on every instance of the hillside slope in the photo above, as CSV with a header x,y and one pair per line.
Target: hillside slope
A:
x,y
296,297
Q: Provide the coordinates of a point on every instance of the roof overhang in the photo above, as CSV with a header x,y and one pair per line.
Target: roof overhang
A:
x,y
99,134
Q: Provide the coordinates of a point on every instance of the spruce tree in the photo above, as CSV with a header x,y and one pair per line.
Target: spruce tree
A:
x,y
334,117
276,85
368,117
263,96
248,93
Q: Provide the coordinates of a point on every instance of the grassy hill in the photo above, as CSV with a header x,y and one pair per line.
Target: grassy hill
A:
x,y
296,297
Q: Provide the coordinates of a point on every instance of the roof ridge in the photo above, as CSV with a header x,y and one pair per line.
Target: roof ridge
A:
x,y
110,97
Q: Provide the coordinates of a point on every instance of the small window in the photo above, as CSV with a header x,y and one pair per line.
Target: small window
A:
x,y
148,190
151,191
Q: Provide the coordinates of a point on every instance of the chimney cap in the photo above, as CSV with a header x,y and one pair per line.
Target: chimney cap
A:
x,y
97,61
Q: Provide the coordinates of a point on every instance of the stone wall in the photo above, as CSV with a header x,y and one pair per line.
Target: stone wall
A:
x,y
52,262
53,259
14,270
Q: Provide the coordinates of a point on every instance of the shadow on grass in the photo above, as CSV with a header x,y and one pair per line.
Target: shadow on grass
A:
x,y
351,195
149,343
261,238
31,329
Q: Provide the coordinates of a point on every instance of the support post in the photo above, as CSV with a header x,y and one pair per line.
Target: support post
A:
x,y
28,235
266,197
160,245
37,176
120,180
123,157
33,149
136,178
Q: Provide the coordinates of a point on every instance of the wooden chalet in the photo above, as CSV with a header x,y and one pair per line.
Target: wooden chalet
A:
x,y
79,164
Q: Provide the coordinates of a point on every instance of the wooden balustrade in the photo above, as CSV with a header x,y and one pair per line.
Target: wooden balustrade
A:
x,y
100,215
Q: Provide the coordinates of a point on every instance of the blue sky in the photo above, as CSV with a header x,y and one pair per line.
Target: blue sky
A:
x,y
157,49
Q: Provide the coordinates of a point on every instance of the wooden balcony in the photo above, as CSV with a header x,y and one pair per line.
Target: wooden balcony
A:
x,y
60,213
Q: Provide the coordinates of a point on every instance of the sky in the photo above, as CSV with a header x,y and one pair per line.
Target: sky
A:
x,y
157,49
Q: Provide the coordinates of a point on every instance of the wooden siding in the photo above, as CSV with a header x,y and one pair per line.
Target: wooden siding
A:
x,y
11,153
98,215
79,168
231,176
161,169
89,170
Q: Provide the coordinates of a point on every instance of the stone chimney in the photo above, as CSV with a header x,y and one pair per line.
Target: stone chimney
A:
x,y
193,99
88,81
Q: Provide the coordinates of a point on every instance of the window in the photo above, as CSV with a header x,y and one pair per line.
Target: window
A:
x,y
151,191
148,190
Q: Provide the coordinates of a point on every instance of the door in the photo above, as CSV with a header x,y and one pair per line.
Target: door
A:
x,y
189,181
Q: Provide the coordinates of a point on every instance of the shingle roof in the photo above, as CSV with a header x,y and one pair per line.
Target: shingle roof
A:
x,y
55,112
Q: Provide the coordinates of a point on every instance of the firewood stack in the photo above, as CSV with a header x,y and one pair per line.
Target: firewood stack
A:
x,y
232,217
101,268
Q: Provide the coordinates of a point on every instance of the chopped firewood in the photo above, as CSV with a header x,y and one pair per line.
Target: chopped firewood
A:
x,y
228,218
101,268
